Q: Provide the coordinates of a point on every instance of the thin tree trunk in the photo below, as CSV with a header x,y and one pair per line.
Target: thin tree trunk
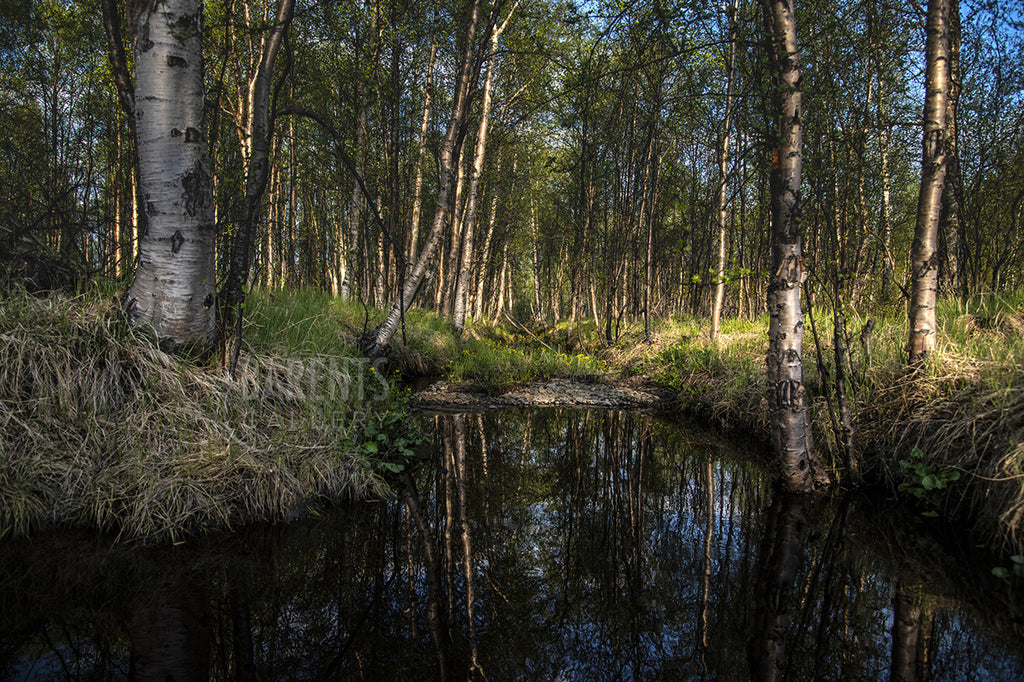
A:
x,y
800,471
272,222
417,200
886,221
951,189
841,355
924,253
478,308
499,308
650,181
125,88
723,175
445,296
116,264
356,267
538,311
469,218
259,129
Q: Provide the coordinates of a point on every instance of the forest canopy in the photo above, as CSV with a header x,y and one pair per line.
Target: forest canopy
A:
x,y
596,194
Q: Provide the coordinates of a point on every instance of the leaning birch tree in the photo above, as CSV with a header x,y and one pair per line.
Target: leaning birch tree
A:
x,y
376,342
791,431
924,254
174,287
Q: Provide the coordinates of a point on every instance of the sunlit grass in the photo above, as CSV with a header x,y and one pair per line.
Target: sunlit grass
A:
x,y
496,366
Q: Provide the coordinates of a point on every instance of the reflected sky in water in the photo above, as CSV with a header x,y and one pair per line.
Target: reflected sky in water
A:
x,y
545,544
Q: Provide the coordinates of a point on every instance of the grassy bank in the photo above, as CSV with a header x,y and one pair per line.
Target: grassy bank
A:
x,y
486,358
101,429
948,435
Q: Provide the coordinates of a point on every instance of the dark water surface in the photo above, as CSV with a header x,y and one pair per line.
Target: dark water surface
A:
x,y
533,545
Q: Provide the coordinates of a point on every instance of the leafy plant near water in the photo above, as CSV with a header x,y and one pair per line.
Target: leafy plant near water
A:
x,y
924,482
1016,568
389,436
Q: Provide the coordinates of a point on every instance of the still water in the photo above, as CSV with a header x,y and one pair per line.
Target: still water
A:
x,y
528,545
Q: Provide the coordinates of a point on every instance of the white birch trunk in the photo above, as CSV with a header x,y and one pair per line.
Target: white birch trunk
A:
x,y
421,151
173,291
723,176
924,253
791,432
469,218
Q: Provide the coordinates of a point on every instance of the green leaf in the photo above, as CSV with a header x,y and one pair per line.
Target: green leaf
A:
x,y
370,447
393,467
1017,559
1000,572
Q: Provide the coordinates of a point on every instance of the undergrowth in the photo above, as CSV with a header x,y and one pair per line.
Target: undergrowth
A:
x,y
308,322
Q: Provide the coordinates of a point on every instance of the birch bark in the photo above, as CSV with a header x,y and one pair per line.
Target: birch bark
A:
x,y
791,433
173,291
479,156
924,252
723,175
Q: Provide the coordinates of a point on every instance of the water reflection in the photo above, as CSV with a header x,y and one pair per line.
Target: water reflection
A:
x,y
573,545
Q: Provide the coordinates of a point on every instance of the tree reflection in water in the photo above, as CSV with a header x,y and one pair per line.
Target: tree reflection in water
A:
x,y
552,544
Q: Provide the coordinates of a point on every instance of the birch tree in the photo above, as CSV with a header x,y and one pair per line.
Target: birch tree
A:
x,y
173,291
723,174
259,129
791,433
924,254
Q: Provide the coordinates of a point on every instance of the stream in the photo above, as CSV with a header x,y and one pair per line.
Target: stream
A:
x,y
529,544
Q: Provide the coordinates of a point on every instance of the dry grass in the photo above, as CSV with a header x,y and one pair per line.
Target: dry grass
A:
x,y
101,429
960,422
